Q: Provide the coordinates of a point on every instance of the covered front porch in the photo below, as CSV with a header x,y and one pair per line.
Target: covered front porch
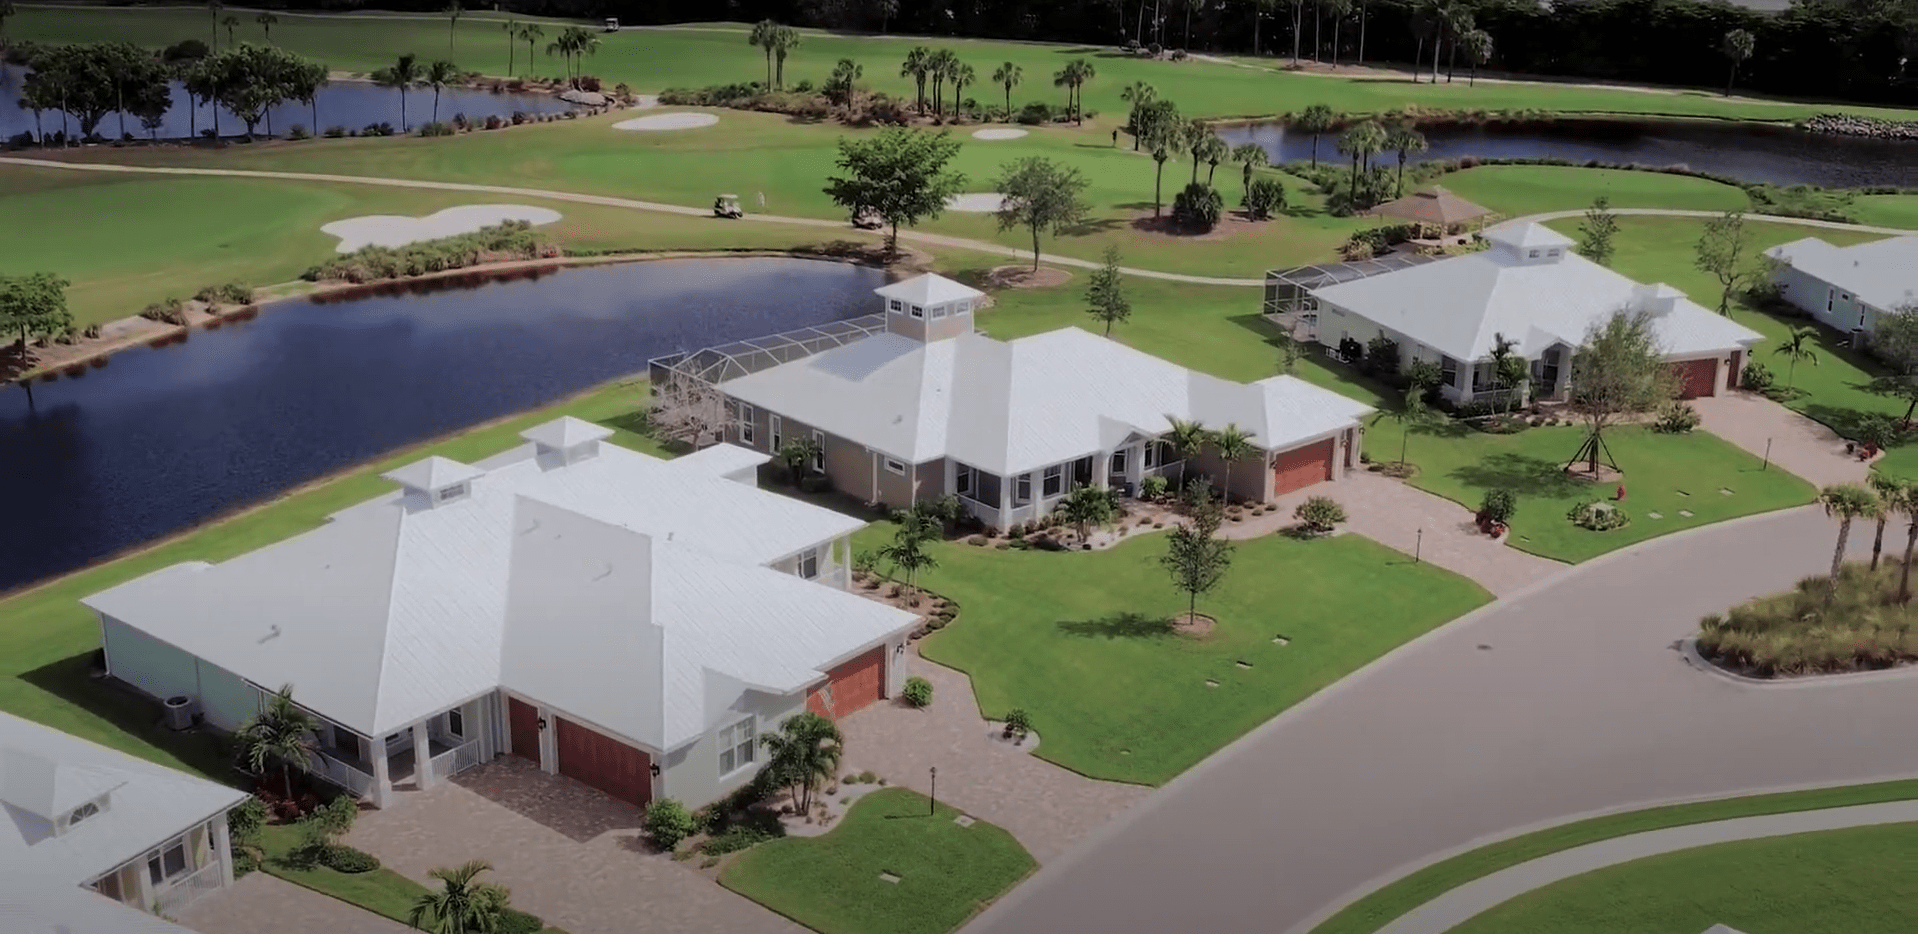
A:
x,y
1002,502
413,758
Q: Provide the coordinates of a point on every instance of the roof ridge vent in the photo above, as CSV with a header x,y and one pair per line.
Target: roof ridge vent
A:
x,y
435,480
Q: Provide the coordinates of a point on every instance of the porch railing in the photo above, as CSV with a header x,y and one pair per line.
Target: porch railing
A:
x,y
457,759
341,774
187,888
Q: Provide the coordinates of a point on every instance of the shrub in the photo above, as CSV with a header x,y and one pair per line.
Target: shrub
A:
x,y
1153,487
1499,505
667,822
185,50
1319,513
918,691
1599,516
1877,430
737,837
508,240
1198,208
1018,722
299,131
342,858
335,132
92,331
493,122
434,129
1676,419
377,129
1264,199
1862,626
1035,113
1381,357
514,921
167,311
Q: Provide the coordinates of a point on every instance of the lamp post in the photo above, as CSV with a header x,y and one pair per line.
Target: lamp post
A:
x,y
932,804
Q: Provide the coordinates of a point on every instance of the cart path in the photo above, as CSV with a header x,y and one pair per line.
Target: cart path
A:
x,y
1486,892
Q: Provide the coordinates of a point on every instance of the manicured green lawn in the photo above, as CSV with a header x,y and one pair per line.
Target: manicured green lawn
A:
x,y
1077,639
831,883
47,636
1371,912
1829,882
1515,190
1888,210
717,53
381,891
1663,474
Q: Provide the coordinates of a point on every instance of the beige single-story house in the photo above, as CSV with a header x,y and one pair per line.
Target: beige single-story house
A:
x,y
931,406
1530,287
631,622
1848,287
96,839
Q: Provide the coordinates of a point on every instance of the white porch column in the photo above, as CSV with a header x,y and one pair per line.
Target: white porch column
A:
x,y
843,548
222,849
549,742
1102,471
422,757
143,885
374,751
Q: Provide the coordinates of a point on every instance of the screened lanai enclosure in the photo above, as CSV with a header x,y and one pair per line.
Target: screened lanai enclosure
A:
x,y
687,403
1289,303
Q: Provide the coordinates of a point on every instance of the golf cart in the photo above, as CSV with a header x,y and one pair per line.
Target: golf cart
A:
x,y
727,206
867,219
612,24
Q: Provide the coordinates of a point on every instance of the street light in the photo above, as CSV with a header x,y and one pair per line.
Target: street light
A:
x,y
932,806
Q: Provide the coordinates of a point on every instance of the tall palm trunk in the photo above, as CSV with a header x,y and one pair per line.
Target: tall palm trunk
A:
x,y
1904,574
1838,557
1418,55
1878,539
1361,32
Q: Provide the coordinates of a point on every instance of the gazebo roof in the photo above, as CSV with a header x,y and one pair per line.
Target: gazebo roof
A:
x,y
1433,205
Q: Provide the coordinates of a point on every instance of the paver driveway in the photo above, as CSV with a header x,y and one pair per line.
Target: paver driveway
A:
x,y
570,854
259,902
1791,439
1549,704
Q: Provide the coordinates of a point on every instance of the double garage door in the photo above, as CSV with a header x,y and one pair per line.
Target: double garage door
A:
x,y
586,755
850,686
1301,467
1696,378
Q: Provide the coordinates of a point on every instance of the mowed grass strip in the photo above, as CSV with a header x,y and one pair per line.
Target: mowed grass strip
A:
x,y
1079,639
831,883
1516,190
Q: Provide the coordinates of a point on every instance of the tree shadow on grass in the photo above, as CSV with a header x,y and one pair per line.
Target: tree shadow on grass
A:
x,y
130,712
1118,626
1092,225
1523,474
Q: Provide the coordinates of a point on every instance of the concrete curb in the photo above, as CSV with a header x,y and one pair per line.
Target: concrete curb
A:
x,y
1688,647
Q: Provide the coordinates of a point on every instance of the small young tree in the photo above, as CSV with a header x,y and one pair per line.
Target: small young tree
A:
x,y
805,750
1291,351
1195,556
281,732
460,905
1895,341
1319,514
900,173
1797,346
1509,371
1106,300
1596,234
1040,195
1411,413
1617,372
326,824
1738,46
1722,252
33,305
1845,501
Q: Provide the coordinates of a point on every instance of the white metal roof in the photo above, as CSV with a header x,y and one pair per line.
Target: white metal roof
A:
x,y
28,906
48,773
1008,407
721,459
1458,305
566,432
396,609
1527,235
1884,273
928,289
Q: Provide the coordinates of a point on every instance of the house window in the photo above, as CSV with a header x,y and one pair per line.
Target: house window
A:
x,y
1054,481
918,312
778,433
745,423
455,723
1448,371
455,491
1553,251
1533,254
895,306
938,311
895,466
736,747
819,452
1830,296
1118,462
962,306
809,564
1022,489
1151,454
83,812
168,863
962,480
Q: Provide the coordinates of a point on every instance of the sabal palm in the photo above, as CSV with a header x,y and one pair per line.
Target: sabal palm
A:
x,y
1360,142
1192,139
438,76
213,8
1186,436
266,21
1073,77
1315,119
532,33
785,40
1846,501
1404,139
461,905
1795,347
806,749
762,38
511,28
1250,156
402,74
1211,150
1891,491
584,43
1233,444
1907,503
1008,76
917,66
940,67
961,75
453,12
1138,94
281,732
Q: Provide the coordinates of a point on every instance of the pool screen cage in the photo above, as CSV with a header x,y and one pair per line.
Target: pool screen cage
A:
x,y
1289,303
687,402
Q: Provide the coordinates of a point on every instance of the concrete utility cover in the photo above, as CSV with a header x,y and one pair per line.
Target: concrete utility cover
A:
x,y
963,821
394,231
889,877
673,121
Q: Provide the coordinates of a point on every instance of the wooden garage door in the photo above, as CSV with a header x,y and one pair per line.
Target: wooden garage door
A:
x,y
605,763
850,686
1301,467
522,720
1697,378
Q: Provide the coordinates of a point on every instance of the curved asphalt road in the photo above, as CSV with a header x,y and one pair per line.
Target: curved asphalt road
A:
x,y
1558,702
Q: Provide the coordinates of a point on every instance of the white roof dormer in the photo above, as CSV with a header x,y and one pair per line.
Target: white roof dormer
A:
x,y
565,440
435,481
62,795
1529,243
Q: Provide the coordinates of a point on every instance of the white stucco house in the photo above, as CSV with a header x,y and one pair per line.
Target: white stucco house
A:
x,y
631,622
98,840
1530,287
1848,287
930,406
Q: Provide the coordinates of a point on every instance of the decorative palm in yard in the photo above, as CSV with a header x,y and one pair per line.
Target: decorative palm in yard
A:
x,y
1085,507
1186,436
806,750
1410,414
283,733
461,906
1846,501
1795,347
1233,444
907,551
1892,493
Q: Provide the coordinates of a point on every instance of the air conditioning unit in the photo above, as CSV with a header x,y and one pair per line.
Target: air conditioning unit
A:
x,y
179,712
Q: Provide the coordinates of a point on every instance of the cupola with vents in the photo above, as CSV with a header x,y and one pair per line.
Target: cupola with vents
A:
x,y
929,307
1528,243
435,481
565,440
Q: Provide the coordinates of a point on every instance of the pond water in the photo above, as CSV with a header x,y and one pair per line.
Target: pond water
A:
x,y
1755,153
162,439
351,104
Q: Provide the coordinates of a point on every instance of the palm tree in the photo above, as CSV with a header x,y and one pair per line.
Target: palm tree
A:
x,y
1738,46
511,28
762,38
1409,415
1360,142
1795,347
584,44
452,11
806,748
1186,436
306,87
281,732
1085,507
1907,503
1008,76
231,23
1315,119
961,75
1250,156
1847,501
917,66
1139,94
402,74
785,40
438,76
1404,138
1212,150
1891,492
1233,444
1163,136
213,8
939,67
461,906
1073,77
267,22
1340,9
532,33
845,81
1192,141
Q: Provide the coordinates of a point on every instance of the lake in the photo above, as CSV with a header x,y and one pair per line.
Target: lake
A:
x,y
1752,152
163,439
351,104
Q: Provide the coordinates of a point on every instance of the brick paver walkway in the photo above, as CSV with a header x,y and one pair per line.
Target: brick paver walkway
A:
x,y
570,854
1045,806
259,902
1798,444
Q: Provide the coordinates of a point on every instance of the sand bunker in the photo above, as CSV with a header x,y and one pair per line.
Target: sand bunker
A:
x,y
675,121
1004,132
976,202
392,230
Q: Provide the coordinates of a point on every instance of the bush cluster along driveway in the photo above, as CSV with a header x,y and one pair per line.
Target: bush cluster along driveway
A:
x,y
1830,882
832,883
1079,640
1665,474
